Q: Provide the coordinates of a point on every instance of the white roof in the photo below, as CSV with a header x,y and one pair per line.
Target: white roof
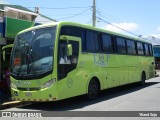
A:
x,y
6,8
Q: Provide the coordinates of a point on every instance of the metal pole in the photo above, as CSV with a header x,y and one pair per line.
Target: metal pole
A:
x,y
94,13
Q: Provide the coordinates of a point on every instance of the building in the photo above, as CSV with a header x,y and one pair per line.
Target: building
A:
x,y
157,55
13,19
156,48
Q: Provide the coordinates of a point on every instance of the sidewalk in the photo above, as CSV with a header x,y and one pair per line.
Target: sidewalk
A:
x,y
158,73
11,104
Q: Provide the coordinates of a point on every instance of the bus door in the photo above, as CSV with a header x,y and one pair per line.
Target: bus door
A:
x,y
68,54
6,58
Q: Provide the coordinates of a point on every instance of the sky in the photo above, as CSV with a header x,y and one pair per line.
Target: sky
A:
x,y
140,17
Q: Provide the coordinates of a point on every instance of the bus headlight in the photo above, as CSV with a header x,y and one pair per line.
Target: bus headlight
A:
x,y
48,84
13,85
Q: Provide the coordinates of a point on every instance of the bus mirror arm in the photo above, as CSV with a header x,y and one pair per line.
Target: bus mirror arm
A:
x,y
69,46
4,55
69,50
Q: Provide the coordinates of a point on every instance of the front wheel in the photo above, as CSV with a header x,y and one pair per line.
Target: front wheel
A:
x,y
93,90
143,79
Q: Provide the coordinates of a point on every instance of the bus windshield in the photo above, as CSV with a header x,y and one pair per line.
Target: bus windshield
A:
x,y
33,53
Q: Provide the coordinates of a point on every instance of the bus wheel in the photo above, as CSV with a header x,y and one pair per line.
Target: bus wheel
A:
x,y
143,78
93,89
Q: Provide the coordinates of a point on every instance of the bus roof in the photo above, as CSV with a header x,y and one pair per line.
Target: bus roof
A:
x,y
83,26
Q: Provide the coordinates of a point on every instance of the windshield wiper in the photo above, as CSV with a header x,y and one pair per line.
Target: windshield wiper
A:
x,y
19,70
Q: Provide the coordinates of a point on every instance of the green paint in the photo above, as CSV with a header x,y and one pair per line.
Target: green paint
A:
x,y
14,26
112,70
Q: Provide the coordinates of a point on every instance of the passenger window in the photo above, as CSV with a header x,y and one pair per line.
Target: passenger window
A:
x,y
140,48
71,31
131,48
92,44
84,49
150,50
107,43
146,47
121,47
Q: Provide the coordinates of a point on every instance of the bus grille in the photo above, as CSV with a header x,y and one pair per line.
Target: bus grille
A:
x,y
29,89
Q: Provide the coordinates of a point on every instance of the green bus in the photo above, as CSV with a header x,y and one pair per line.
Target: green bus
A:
x,y
7,51
61,60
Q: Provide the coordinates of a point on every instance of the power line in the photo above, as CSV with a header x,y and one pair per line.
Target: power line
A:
x,y
100,13
117,27
61,7
115,19
96,11
67,14
74,15
153,39
126,31
108,16
89,21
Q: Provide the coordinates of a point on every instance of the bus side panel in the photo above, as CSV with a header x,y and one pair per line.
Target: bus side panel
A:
x,y
134,69
73,84
110,71
123,69
149,67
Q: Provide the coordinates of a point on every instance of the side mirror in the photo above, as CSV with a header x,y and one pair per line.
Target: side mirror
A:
x,y
69,50
4,55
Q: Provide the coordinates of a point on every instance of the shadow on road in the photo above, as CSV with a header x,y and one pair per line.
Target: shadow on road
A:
x,y
80,102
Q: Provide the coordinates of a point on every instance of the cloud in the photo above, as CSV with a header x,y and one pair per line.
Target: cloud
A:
x,y
154,35
158,28
153,38
126,26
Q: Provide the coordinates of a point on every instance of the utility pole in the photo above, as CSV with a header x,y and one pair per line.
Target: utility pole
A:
x,y
37,10
94,13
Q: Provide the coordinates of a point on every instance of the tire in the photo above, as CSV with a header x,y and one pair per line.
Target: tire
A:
x,y
93,90
143,79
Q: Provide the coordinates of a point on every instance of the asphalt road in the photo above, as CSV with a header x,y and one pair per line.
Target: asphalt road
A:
x,y
126,98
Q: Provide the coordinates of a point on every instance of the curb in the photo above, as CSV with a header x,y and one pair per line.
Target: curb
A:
x,y
13,104
157,73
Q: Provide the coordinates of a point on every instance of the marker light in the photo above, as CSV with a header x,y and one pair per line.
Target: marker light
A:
x,y
13,85
48,84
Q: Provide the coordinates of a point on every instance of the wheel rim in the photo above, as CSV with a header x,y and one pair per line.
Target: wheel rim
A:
x,y
93,89
143,78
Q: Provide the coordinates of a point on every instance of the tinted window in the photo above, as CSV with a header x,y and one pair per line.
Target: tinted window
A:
x,y
107,43
121,46
146,47
150,50
67,63
140,48
83,36
33,53
131,48
71,31
92,44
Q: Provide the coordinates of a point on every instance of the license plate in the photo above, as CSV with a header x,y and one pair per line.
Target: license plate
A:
x,y
15,93
28,94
